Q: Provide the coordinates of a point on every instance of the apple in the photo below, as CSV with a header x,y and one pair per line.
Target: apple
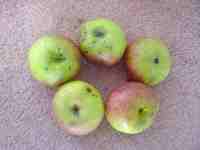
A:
x,y
148,61
53,60
132,107
78,108
102,41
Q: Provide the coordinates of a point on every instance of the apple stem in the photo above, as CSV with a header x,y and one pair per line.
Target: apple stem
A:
x,y
75,110
156,60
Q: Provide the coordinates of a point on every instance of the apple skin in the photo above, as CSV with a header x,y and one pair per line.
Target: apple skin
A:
x,y
102,41
132,107
78,108
148,61
53,60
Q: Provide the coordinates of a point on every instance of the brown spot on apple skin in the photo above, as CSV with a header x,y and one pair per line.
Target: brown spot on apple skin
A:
x,y
99,34
88,89
141,110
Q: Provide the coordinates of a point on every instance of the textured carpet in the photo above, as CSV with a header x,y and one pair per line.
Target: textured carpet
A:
x,y
26,121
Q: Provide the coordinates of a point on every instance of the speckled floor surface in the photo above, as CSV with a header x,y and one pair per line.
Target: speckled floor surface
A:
x,y
26,121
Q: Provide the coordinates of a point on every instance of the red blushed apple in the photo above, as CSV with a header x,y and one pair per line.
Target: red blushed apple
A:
x,y
78,108
132,107
148,61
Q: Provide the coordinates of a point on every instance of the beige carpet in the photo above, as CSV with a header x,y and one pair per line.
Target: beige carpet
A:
x,y
26,121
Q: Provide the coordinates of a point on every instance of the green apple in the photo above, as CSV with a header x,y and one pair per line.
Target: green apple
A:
x,y
102,41
131,108
78,108
53,60
148,61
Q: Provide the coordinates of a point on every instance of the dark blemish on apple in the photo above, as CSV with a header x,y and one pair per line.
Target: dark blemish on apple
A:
x,y
99,33
156,60
141,110
75,110
61,55
89,90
